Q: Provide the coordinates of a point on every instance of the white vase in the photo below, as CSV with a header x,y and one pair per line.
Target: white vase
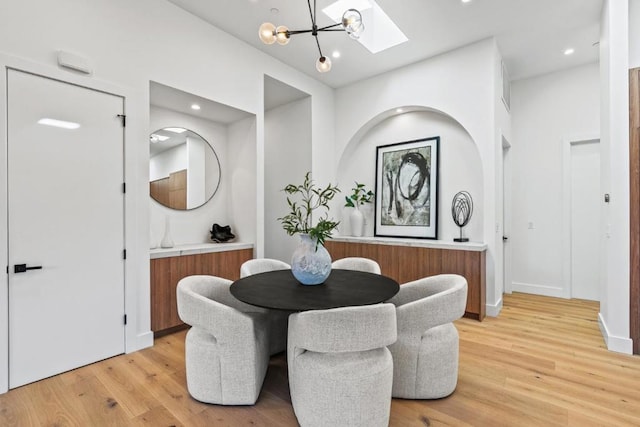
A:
x,y
310,263
167,241
356,218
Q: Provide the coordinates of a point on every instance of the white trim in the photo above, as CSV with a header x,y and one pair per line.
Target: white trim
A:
x,y
507,283
545,290
614,343
567,142
493,310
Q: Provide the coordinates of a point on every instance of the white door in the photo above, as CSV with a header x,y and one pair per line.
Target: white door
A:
x,y
66,215
585,220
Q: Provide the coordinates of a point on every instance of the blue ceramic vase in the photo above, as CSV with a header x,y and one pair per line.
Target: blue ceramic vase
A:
x,y
310,263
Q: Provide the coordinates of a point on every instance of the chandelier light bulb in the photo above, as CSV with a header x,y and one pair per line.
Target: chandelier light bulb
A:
x,y
352,21
267,33
356,34
323,64
282,35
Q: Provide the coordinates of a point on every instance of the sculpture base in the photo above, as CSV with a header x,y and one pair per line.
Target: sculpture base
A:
x,y
461,239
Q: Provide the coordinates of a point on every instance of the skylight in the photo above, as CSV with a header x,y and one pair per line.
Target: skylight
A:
x,y
380,32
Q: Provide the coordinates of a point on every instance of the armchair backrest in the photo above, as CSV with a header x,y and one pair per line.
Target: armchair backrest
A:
x,y
431,301
345,329
357,263
262,265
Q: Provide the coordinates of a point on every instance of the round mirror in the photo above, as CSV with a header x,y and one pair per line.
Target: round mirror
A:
x,y
184,170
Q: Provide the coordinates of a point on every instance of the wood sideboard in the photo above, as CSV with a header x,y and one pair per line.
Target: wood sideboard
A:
x,y
407,262
169,266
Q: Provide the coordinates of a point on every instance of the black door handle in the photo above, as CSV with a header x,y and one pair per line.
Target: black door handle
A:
x,y
22,268
505,238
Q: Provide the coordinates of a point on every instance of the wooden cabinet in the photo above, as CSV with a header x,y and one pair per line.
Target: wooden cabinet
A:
x,y
407,263
167,271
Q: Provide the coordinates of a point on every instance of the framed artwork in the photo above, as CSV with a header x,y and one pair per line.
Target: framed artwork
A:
x,y
407,189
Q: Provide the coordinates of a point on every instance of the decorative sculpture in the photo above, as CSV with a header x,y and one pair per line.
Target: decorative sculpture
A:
x,y
461,210
221,234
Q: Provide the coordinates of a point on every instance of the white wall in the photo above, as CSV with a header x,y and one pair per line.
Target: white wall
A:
x,y
462,85
192,226
460,168
287,158
240,181
547,111
634,33
614,75
128,44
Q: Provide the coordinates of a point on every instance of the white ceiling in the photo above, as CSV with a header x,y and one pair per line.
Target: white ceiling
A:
x,y
176,100
531,34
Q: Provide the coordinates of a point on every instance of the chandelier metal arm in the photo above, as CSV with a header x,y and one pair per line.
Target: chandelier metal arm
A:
x,y
318,43
328,28
293,32
311,13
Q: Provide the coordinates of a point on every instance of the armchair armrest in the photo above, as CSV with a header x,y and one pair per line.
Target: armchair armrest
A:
x,y
200,309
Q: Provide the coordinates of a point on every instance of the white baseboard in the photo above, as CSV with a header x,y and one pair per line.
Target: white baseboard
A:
x,y
141,341
493,310
531,288
614,343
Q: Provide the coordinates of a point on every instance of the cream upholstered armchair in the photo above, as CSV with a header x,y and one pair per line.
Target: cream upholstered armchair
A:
x,y
425,357
278,319
262,265
226,349
357,263
340,370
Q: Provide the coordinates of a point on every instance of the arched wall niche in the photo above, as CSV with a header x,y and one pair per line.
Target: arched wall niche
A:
x,y
460,164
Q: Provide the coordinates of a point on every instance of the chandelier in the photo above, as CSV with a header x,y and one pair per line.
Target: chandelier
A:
x,y
351,24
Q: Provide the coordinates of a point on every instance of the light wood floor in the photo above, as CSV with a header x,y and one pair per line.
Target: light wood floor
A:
x,y
541,363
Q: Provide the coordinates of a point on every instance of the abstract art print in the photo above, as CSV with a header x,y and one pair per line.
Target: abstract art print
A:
x,y
407,189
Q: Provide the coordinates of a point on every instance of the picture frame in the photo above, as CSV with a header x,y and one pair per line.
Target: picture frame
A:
x,y
406,203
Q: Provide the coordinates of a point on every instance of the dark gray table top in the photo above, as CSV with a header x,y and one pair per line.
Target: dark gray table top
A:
x,y
280,290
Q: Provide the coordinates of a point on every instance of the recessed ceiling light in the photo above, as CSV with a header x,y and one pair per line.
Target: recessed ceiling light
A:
x,y
176,130
335,54
399,110
195,107
466,1
569,51
58,123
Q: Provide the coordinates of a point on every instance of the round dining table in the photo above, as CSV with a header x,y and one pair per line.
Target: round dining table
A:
x,y
280,290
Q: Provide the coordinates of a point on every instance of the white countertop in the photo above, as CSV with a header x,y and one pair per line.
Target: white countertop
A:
x,y
198,248
422,243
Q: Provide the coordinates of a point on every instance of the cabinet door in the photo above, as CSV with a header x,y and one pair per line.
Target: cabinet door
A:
x,y
167,272
407,263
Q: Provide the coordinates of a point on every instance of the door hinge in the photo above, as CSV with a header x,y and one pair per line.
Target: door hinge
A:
x,y
124,119
125,319
124,187
7,269
124,254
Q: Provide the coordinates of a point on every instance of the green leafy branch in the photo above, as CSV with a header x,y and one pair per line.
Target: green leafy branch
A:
x,y
360,196
303,199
